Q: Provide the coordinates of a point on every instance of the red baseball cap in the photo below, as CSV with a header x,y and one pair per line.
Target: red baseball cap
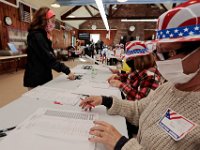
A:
x,y
50,14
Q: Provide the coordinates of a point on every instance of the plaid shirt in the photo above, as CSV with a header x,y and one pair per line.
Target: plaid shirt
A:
x,y
137,85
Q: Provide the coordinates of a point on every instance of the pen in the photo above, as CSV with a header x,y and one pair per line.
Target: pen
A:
x,y
89,104
56,102
86,95
8,129
2,134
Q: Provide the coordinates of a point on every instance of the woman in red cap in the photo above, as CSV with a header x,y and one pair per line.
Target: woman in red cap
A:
x,y
169,118
41,58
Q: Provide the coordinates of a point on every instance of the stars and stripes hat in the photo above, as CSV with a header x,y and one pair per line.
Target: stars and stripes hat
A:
x,y
180,24
135,49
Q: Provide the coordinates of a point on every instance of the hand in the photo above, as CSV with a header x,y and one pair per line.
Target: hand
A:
x,y
115,71
71,76
104,133
112,77
115,83
90,102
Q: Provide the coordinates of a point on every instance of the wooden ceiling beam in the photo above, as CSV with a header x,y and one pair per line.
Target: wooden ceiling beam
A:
x,y
70,12
88,10
164,7
94,7
112,18
110,10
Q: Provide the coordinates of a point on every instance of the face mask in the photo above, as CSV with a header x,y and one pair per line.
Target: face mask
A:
x,y
172,70
50,26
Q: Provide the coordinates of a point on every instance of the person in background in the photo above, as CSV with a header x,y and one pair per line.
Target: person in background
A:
x,y
103,53
122,49
92,48
169,118
41,58
117,54
72,52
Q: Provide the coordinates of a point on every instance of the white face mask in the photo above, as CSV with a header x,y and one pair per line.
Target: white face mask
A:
x,y
172,70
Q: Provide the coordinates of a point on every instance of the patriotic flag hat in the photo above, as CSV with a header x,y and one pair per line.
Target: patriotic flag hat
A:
x,y
180,24
135,49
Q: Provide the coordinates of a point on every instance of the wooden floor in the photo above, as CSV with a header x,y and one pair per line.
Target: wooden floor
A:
x,y
11,84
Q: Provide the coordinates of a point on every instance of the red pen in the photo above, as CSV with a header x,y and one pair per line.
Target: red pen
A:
x,y
56,102
89,104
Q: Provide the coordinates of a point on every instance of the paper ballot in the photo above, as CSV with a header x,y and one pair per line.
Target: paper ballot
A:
x,y
102,89
48,128
53,94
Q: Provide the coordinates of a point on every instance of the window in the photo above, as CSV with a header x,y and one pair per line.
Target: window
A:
x,y
25,13
94,37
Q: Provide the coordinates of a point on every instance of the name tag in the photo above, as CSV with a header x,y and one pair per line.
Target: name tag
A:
x,y
176,125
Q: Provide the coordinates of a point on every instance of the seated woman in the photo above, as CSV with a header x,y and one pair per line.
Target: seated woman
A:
x,y
144,76
169,118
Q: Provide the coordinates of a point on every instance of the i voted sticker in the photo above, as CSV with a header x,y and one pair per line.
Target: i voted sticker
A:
x,y
176,125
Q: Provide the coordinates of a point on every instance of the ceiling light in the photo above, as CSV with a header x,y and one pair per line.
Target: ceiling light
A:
x,y
139,20
121,1
55,4
102,12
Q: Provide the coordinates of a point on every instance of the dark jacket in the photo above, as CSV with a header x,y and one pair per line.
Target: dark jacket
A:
x,y
40,60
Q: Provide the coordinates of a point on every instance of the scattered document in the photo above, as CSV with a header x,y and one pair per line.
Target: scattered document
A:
x,y
102,68
93,60
102,85
52,95
89,90
79,71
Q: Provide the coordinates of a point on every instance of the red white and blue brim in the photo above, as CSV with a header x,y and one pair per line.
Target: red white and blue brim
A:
x,y
136,49
182,23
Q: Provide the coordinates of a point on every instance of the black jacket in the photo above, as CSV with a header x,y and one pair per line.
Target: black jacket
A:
x,y
40,60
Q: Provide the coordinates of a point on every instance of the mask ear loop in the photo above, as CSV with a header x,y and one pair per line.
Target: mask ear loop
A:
x,y
160,56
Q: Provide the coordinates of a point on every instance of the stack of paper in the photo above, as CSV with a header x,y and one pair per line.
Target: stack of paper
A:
x,y
52,129
102,85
